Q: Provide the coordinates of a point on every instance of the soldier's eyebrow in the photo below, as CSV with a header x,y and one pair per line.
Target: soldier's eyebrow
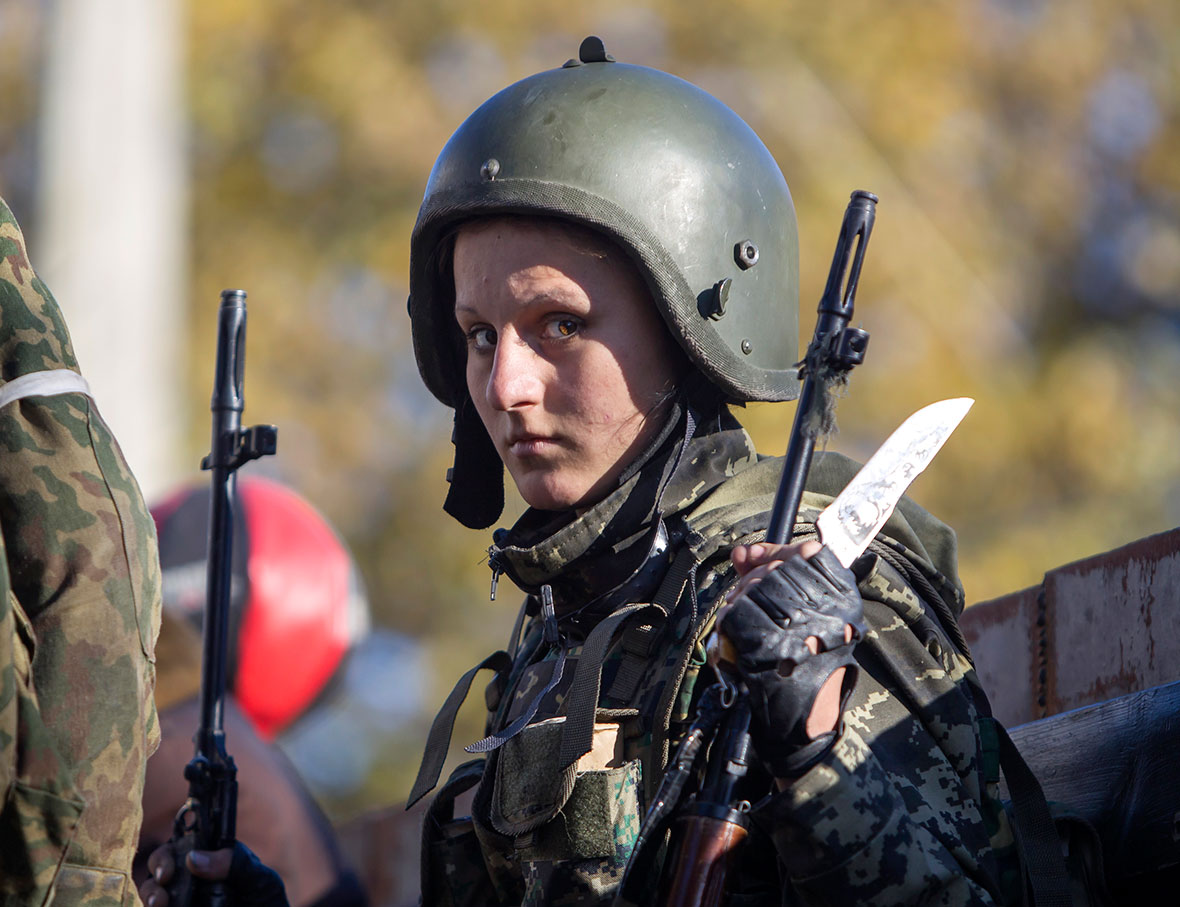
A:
x,y
565,299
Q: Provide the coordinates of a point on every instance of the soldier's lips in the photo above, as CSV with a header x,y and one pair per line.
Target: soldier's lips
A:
x,y
524,446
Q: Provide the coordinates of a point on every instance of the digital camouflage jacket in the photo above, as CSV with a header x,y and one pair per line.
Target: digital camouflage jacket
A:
x,y
79,613
587,705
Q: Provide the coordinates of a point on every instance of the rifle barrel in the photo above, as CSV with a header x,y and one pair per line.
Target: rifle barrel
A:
x,y
831,350
227,404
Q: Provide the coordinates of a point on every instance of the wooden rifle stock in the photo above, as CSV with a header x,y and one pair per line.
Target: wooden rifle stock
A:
x,y
708,832
707,844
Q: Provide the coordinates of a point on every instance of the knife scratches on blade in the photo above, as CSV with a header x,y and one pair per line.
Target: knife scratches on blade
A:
x,y
857,514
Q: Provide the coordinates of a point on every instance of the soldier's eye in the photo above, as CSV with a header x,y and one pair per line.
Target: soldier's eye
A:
x,y
481,338
562,327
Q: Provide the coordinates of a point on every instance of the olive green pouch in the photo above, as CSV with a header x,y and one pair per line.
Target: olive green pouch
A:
x,y
562,815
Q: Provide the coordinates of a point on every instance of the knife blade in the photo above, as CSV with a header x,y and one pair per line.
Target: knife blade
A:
x,y
853,519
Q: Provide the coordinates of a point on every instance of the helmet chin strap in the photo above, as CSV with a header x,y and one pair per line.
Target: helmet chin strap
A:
x,y
476,495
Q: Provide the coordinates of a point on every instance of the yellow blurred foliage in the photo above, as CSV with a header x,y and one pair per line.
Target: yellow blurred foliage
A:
x,y
1027,156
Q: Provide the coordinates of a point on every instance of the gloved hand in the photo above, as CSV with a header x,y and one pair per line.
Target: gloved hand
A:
x,y
248,882
790,627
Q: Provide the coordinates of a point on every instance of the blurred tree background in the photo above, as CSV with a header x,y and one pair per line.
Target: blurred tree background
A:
x,y
1027,254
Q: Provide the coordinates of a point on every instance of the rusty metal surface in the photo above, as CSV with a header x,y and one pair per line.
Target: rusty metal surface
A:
x,y
1001,634
1095,629
1114,622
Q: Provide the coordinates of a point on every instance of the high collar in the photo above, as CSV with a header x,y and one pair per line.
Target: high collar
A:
x,y
618,551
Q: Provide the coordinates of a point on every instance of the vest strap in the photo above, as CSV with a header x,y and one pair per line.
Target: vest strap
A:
x,y
637,643
577,736
498,739
438,741
582,702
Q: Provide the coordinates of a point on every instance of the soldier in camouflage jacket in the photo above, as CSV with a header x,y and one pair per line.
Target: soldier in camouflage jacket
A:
x,y
562,217
79,614
899,811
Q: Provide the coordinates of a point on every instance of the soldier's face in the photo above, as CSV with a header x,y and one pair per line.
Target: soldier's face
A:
x,y
568,362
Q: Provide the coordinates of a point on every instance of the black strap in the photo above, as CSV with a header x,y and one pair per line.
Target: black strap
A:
x,y
438,741
637,642
577,737
1036,836
498,739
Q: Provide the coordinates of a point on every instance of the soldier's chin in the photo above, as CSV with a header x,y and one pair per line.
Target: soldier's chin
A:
x,y
552,490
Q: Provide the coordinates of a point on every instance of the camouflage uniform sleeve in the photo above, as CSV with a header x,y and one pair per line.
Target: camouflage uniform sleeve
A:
x,y
896,813
84,603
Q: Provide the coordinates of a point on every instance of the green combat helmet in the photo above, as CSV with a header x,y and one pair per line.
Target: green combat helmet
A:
x,y
671,175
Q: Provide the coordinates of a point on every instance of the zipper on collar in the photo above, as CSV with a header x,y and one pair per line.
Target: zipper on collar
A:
x,y
495,560
549,616
497,570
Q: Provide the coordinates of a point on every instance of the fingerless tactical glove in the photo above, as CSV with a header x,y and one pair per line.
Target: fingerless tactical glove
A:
x,y
768,627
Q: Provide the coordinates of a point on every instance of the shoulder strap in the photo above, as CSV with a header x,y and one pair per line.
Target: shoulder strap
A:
x,y
438,741
1041,859
582,701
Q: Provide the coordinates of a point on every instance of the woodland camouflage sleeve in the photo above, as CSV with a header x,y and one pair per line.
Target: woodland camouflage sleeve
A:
x,y
77,627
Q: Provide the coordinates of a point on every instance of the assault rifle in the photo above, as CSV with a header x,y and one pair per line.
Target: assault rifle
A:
x,y
712,824
207,819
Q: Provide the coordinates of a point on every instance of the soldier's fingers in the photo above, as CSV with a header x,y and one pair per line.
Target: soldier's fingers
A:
x,y
746,557
814,643
161,864
152,894
755,575
210,864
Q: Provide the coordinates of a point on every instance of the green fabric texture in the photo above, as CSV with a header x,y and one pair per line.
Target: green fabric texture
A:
x,y
525,798
597,820
81,616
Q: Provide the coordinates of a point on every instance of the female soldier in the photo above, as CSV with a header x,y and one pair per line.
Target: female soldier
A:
x,y
605,258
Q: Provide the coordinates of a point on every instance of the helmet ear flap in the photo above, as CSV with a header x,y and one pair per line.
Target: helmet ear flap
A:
x,y
476,496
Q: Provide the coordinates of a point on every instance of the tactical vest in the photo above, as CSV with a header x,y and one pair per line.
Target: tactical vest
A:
x,y
559,803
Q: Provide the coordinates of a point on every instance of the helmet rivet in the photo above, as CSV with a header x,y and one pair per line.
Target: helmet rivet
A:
x,y
747,347
746,254
720,298
490,169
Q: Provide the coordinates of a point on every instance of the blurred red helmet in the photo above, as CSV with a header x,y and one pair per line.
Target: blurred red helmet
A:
x,y
297,602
